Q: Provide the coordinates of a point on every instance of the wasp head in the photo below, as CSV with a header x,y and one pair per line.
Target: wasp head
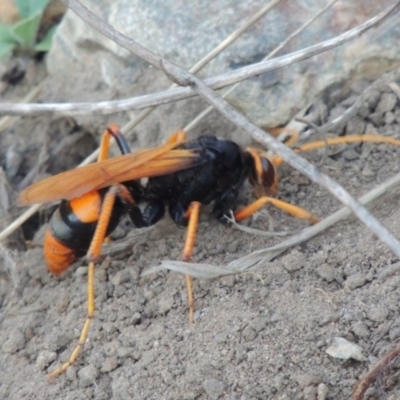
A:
x,y
262,175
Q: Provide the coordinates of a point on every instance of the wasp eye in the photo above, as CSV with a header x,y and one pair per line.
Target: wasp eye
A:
x,y
262,175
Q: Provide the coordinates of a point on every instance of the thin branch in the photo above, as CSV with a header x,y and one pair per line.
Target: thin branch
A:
x,y
220,81
227,92
185,78
376,370
33,94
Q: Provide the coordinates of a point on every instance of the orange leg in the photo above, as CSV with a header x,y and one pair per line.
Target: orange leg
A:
x,y
92,255
193,215
276,160
100,236
177,137
264,200
95,249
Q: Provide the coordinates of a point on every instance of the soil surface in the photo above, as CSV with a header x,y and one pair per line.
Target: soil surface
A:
x,y
260,335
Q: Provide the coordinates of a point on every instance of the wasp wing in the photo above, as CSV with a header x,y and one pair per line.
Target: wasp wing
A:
x,y
76,182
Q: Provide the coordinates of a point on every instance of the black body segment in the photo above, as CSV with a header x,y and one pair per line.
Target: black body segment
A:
x,y
223,169
218,174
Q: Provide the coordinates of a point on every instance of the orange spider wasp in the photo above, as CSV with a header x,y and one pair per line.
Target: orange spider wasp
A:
x,y
181,175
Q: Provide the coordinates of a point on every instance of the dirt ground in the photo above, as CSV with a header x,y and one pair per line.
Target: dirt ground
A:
x,y
260,335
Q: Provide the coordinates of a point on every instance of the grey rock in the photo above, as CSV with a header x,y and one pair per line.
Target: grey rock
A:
x,y
310,393
355,281
184,35
109,364
213,388
44,359
305,380
15,342
327,272
360,329
377,314
394,333
386,103
165,304
87,376
121,389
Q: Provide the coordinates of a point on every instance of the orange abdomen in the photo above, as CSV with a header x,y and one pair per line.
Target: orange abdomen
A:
x,y
58,256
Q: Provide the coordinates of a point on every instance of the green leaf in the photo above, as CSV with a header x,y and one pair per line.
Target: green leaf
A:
x,y
45,44
25,31
27,8
6,48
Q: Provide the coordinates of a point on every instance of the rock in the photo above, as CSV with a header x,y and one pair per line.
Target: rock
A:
x,y
82,57
213,388
360,329
44,358
386,103
15,342
355,281
121,389
109,364
377,314
87,376
343,349
327,272
310,393
165,304
305,380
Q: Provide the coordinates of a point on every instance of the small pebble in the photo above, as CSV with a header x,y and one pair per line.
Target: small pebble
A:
x,y
367,172
213,388
377,314
389,118
258,324
343,349
328,318
44,358
394,333
87,376
305,380
165,304
121,389
310,393
360,329
355,281
322,392
327,272
249,334
109,364
15,342
121,277
387,103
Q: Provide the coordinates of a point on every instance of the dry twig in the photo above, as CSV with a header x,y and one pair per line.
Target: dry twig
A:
x,y
375,371
218,82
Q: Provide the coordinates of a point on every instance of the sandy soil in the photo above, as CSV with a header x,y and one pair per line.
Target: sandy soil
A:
x,y
261,335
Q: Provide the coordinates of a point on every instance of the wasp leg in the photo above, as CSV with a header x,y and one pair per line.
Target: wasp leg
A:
x,y
177,137
276,160
114,131
92,255
289,136
263,201
193,216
